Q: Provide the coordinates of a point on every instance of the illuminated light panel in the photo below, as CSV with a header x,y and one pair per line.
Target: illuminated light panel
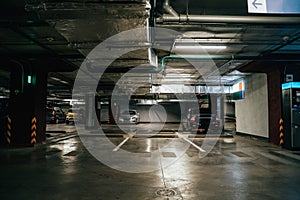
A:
x,y
238,90
202,47
290,85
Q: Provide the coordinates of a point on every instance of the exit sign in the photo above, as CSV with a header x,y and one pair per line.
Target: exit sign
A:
x,y
274,6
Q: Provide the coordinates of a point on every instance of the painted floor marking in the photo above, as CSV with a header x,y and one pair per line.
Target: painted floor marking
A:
x,y
121,144
187,140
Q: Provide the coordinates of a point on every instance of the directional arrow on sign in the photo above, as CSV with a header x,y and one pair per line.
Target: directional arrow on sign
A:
x,y
281,135
33,127
33,141
33,120
281,142
281,128
33,134
256,4
280,121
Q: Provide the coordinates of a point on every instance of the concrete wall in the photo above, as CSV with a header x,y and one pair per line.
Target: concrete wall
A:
x,y
229,109
252,112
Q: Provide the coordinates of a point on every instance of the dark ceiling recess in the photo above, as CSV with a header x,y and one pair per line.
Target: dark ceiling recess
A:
x,y
58,35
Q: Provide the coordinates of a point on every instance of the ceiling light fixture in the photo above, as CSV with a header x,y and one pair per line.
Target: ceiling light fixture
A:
x,y
55,79
219,47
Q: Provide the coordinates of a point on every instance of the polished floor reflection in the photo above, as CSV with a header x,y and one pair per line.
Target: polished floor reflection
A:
x,y
236,168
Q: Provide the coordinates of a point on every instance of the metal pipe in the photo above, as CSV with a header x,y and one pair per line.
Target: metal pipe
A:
x,y
229,19
169,8
161,66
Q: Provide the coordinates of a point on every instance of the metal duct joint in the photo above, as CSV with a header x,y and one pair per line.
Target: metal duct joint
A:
x,y
169,8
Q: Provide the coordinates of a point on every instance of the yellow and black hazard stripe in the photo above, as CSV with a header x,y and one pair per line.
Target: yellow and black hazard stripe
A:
x,y
8,131
33,131
281,134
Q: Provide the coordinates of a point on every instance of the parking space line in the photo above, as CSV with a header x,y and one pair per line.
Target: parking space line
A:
x,y
121,144
187,140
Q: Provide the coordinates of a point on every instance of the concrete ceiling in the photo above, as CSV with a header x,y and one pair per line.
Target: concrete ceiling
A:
x,y
63,33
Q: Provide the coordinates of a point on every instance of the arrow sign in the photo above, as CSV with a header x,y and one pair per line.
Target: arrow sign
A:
x,y
33,127
33,141
281,128
281,135
255,4
281,142
33,134
280,121
33,120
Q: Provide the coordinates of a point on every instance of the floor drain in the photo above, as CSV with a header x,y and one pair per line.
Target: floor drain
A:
x,y
165,192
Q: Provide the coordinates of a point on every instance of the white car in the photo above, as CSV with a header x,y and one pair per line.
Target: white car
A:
x,y
129,116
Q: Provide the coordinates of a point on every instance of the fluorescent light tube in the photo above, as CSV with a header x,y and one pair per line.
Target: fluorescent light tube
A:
x,y
201,47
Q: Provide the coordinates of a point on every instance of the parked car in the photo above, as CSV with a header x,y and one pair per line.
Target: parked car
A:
x,y
55,115
200,120
129,116
74,115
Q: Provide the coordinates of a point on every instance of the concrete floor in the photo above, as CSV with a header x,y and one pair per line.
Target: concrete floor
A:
x,y
236,168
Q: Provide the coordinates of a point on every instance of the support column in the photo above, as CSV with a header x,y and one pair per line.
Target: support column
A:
x,y
98,108
113,113
90,116
111,119
27,114
274,79
275,104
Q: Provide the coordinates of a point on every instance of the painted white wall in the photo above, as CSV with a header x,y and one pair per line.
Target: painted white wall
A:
x,y
252,112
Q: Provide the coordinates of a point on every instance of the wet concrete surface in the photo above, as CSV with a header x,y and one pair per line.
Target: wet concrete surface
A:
x,y
62,168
